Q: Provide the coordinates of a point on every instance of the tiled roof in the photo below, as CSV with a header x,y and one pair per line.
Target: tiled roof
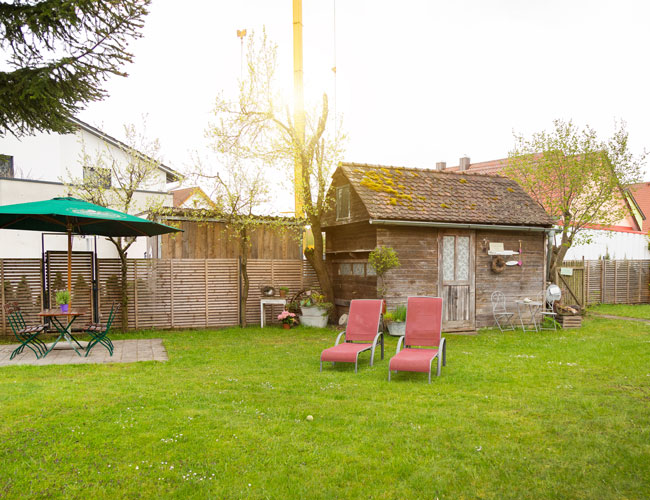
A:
x,y
397,193
641,194
492,167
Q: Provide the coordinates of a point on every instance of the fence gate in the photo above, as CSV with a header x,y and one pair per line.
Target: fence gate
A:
x,y
572,283
83,280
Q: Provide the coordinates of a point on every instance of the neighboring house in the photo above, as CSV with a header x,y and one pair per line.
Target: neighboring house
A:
x,y
624,240
192,197
641,194
31,169
442,225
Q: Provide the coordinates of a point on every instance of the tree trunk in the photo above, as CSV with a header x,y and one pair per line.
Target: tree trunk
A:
x,y
124,289
315,258
243,299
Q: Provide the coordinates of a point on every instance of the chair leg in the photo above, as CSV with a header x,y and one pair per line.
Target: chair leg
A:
x,y
389,374
439,364
321,365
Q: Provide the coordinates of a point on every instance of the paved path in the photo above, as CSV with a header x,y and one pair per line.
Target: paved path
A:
x,y
624,318
126,351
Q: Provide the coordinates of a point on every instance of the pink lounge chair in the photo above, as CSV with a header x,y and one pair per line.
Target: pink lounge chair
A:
x,y
423,327
361,334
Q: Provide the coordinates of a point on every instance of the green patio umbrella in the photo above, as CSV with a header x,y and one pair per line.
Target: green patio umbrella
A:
x,y
73,216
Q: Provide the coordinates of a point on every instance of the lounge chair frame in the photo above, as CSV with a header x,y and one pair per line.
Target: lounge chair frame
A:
x,y
442,360
378,338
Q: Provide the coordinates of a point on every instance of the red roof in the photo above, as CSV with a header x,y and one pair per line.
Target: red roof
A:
x,y
641,193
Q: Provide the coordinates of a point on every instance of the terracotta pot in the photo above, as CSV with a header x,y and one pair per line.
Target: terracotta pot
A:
x,y
286,326
283,293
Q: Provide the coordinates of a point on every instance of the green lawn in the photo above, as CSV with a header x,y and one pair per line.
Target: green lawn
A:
x,y
553,415
626,310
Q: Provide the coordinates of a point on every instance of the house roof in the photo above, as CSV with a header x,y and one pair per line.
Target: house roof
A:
x,y
397,193
183,194
641,193
492,167
172,175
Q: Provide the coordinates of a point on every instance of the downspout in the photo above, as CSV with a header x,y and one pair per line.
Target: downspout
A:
x,y
550,237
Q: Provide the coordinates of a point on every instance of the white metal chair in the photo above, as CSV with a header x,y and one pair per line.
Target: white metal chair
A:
x,y
502,317
547,310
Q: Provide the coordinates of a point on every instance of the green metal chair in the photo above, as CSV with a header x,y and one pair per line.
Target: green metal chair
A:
x,y
26,335
99,332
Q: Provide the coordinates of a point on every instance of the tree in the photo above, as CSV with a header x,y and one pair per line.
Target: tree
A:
x,y
58,55
383,259
111,179
256,128
578,178
237,191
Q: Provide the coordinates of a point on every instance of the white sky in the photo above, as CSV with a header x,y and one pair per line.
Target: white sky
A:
x,y
417,81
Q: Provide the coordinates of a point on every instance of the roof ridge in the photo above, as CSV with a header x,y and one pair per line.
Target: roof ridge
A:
x,y
417,169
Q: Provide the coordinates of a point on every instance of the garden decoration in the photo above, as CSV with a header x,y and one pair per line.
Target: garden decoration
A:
x,y
396,321
314,309
62,298
288,319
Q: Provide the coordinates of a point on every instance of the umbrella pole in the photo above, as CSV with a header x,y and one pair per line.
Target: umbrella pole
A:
x,y
69,265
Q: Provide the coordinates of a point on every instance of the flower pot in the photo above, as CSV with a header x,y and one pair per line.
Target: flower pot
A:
x,y
286,326
64,308
397,328
283,293
314,316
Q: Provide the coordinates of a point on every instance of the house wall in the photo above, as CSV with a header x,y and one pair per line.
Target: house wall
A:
x,y
358,212
213,240
417,249
619,245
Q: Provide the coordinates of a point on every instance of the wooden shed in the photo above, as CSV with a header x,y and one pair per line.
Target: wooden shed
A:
x,y
443,226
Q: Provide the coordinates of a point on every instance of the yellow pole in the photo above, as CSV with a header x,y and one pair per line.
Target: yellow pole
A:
x,y
298,103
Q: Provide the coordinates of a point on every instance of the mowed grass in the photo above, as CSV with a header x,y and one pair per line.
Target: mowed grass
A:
x,y
626,310
536,415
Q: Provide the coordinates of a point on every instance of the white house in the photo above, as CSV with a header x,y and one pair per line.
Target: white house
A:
x,y
32,168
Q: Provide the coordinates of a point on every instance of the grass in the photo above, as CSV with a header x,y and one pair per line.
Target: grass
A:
x,y
536,415
625,310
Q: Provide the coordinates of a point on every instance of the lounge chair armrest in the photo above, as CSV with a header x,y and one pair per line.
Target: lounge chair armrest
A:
x,y
399,344
339,338
377,337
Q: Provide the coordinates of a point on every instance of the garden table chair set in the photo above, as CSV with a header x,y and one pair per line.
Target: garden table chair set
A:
x,y
542,307
422,341
28,336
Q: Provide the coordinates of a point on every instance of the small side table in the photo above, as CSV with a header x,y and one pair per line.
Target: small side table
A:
x,y
533,308
269,302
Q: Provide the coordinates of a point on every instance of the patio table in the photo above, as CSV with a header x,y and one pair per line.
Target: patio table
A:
x,y
533,308
65,331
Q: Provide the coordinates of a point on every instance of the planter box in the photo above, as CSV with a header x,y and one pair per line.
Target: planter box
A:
x,y
570,321
397,329
314,316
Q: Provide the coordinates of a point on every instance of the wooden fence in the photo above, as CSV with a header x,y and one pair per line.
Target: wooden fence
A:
x,y
606,281
169,293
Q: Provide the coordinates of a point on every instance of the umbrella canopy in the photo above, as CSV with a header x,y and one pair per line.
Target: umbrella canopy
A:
x,y
73,216
66,215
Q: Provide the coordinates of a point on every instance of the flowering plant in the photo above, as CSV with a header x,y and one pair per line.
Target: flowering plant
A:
x,y
287,318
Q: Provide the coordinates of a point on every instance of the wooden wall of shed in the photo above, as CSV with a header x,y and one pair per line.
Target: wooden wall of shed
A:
x,y
417,249
351,244
358,212
214,240
516,282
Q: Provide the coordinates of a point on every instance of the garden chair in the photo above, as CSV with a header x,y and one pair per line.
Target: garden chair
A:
x,y
422,340
501,316
361,334
547,311
26,335
99,332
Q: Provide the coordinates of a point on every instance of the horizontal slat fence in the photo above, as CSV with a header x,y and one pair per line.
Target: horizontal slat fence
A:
x,y
169,293
608,281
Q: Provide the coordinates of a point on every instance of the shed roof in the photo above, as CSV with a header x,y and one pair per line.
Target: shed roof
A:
x,y
397,193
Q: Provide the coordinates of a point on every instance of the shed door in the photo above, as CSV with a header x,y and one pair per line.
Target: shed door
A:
x,y
456,279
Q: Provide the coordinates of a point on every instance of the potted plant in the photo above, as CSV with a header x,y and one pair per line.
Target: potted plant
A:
x,y
396,321
314,309
62,298
383,259
284,290
288,319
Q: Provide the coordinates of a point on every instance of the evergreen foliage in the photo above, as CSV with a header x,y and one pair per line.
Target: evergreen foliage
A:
x,y
58,54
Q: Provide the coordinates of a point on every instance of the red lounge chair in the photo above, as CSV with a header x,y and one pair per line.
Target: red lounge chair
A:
x,y
423,327
361,334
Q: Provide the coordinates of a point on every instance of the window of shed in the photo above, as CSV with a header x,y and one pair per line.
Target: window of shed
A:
x,y
345,269
343,202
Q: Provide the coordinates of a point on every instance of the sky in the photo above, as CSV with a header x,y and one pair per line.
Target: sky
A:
x,y
416,82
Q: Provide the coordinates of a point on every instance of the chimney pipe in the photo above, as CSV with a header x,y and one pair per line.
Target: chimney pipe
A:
x,y
463,164
441,165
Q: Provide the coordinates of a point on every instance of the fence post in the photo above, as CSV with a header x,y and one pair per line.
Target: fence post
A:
x,y
171,282
2,285
205,261
615,282
586,279
628,283
602,281
135,291
640,275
